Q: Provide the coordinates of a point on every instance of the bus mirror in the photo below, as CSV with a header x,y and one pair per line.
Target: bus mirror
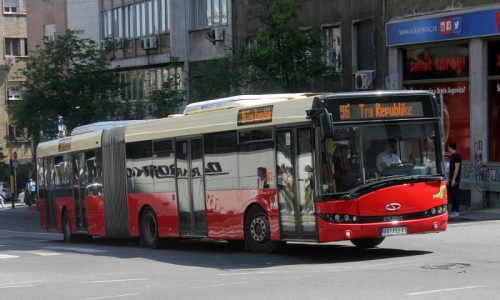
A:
x,y
322,118
326,123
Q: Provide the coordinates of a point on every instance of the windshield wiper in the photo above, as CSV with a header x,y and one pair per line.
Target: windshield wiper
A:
x,y
390,179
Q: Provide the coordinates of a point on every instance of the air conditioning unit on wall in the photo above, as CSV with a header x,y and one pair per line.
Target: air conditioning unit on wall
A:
x,y
216,34
150,42
363,80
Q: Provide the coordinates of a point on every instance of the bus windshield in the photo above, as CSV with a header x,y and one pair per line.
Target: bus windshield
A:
x,y
362,152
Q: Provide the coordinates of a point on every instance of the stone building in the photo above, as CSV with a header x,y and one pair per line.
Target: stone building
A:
x,y
13,51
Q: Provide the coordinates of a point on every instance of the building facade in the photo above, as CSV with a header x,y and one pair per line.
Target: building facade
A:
x,y
375,44
452,48
13,51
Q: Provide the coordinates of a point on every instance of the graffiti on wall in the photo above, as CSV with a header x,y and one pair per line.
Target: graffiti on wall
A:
x,y
479,174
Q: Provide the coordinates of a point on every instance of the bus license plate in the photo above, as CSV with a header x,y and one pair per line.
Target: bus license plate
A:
x,y
394,231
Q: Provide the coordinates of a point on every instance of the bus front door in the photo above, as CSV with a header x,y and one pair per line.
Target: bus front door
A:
x,y
296,183
190,187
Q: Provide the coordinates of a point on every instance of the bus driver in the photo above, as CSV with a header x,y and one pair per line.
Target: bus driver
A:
x,y
388,157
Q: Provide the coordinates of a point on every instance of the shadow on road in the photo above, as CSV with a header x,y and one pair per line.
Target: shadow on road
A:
x,y
223,256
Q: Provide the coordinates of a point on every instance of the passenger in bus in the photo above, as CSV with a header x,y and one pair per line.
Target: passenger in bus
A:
x,y
388,157
285,187
346,172
262,178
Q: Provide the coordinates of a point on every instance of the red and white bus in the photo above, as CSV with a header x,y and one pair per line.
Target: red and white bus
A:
x,y
263,169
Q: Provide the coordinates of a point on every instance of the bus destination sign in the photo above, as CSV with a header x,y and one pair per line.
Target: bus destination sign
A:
x,y
64,145
255,115
380,110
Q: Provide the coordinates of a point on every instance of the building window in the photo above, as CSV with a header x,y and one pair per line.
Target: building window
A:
x,y
15,47
139,83
14,91
136,20
333,47
16,133
363,46
49,32
11,6
208,13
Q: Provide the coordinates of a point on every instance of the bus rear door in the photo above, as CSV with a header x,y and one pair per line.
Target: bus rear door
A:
x,y
191,187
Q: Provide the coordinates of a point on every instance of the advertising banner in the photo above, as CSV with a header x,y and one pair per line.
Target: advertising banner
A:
x,y
446,27
456,111
494,120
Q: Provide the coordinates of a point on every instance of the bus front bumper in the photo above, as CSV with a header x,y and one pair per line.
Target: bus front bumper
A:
x,y
329,232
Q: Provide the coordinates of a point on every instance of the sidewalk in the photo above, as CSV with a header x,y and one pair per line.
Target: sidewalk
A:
x,y
486,214
20,207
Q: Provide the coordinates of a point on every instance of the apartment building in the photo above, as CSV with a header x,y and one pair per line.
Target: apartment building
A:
x,y
13,51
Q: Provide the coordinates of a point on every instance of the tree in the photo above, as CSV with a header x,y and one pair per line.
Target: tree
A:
x,y
213,79
66,77
282,53
166,101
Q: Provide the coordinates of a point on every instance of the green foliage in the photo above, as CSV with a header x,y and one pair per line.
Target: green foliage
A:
x,y
213,79
282,53
166,100
66,77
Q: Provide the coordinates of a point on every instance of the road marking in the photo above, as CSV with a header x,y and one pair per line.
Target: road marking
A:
x,y
5,236
218,285
8,256
27,232
115,280
401,264
17,286
111,297
77,249
42,253
447,290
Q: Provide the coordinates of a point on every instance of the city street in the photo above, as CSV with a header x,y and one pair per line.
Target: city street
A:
x,y
461,263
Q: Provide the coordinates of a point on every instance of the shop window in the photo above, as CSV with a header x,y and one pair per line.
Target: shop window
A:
x,y
494,100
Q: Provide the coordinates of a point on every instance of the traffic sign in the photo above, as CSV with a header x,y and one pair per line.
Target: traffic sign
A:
x,y
14,163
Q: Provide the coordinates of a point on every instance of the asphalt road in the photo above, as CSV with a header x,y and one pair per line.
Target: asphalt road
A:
x,y
461,263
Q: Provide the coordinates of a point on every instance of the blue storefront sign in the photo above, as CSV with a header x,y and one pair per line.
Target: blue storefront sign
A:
x,y
445,27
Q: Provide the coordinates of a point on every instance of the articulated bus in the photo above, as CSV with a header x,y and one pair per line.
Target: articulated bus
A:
x,y
259,169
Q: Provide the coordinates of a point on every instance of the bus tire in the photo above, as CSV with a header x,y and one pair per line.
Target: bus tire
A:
x,y
66,227
366,243
149,229
258,231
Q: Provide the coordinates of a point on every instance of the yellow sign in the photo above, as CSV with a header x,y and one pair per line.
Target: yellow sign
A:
x,y
379,110
255,115
64,145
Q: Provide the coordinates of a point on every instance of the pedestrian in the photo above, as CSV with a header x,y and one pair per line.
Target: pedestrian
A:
x,y
454,180
32,191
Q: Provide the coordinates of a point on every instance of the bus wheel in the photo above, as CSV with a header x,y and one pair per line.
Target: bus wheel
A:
x,y
258,231
149,229
66,227
367,242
